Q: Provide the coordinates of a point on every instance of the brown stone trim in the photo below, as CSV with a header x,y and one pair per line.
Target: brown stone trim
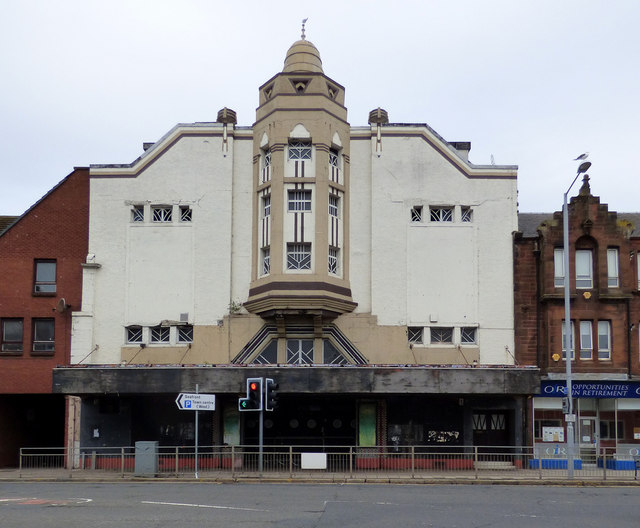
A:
x,y
297,110
300,286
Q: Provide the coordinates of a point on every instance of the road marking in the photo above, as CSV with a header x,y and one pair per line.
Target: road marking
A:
x,y
49,502
201,506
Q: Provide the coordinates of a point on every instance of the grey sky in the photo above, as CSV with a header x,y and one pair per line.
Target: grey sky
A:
x,y
531,83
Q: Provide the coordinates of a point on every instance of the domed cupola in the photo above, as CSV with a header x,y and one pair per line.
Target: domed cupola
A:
x,y
301,193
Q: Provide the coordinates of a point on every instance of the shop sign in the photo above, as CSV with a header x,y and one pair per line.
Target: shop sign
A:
x,y
591,389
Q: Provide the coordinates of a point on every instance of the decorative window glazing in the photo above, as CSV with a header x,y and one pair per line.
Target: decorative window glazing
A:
x,y
266,260
333,158
299,200
334,205
160,334
186,213
137,213
466,214
299,256
441,214
161,213
468,335
299,150
185,334
416,213
415,335
333,260
300,351
441,335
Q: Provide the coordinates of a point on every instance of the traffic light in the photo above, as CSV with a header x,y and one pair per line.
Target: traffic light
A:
x,y
270,394
253,400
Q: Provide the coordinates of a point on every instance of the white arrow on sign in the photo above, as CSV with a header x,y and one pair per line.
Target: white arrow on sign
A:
x,y
196,402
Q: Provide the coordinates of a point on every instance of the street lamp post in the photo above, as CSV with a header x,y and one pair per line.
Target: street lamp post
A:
x,y
569,417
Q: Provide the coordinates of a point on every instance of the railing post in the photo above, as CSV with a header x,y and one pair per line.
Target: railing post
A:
x,y
20,464
351,461
413,461
475,460
233,460
604,463
290,461
122,461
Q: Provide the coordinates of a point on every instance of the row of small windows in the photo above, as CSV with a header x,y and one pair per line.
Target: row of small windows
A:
x,y
12,335
137,335
299,258
603,340
299,201
448,335
584,268
162,213
441,214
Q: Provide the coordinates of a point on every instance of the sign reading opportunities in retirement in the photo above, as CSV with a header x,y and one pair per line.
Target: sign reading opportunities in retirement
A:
x,y
591,389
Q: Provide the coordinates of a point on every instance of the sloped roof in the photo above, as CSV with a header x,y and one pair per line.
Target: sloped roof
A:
x,y
528,222
6,221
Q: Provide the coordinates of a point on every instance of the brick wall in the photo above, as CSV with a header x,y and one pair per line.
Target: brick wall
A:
x,y
56,228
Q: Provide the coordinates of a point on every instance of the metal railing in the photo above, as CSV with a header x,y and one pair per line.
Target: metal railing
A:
x,y
335,463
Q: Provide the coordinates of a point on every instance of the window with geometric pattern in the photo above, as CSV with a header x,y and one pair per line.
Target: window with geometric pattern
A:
x,y
161,213
300,351
441,214
299,256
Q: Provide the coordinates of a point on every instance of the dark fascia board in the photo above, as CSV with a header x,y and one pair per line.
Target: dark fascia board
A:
x,y
298,379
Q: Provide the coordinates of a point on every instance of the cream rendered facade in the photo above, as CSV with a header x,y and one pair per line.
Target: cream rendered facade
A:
x,y
409,260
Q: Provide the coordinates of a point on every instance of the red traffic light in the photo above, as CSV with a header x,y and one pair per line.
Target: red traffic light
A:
x,y
253,386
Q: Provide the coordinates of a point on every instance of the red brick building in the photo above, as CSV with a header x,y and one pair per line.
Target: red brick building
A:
x,y
605,315
40,283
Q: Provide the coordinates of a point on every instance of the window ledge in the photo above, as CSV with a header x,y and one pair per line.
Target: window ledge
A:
x,y
10,354
44,294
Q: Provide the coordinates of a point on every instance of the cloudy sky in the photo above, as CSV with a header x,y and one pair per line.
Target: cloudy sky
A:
x,y
532,83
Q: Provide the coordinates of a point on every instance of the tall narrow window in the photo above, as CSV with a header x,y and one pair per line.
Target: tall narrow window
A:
x,y
334,205
266,260
604,340
266,206
586,340
613,279
298,256
299,150
267,159
299,200
584,269
43,335
45,276
564,342
11,336
333,260
333,158
558,267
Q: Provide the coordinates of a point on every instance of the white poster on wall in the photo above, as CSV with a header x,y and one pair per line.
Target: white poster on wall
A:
x,y
553,434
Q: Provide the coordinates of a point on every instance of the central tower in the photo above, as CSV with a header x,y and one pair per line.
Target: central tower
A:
x,y
301,192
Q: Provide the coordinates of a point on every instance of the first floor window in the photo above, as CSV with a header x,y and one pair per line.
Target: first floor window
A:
x,y
333,260
185,334
334,205
12,332
586,340
300,351
299,150
564,342
137,213
298,256
266,206
584,269
45,276
43,335
134,334
416,213
186,213
266,260
466,214
299,201
613,279
161,213
441,335
441,214
468,335
160,334
558,267
604,340
414,334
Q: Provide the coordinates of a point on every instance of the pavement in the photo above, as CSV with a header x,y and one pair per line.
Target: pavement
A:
x,y
524,477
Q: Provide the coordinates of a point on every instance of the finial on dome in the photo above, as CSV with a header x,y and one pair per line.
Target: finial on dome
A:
x,y
304,21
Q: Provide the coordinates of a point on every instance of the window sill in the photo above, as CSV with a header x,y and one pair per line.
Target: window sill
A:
x,y
44,294
48,353
11,354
